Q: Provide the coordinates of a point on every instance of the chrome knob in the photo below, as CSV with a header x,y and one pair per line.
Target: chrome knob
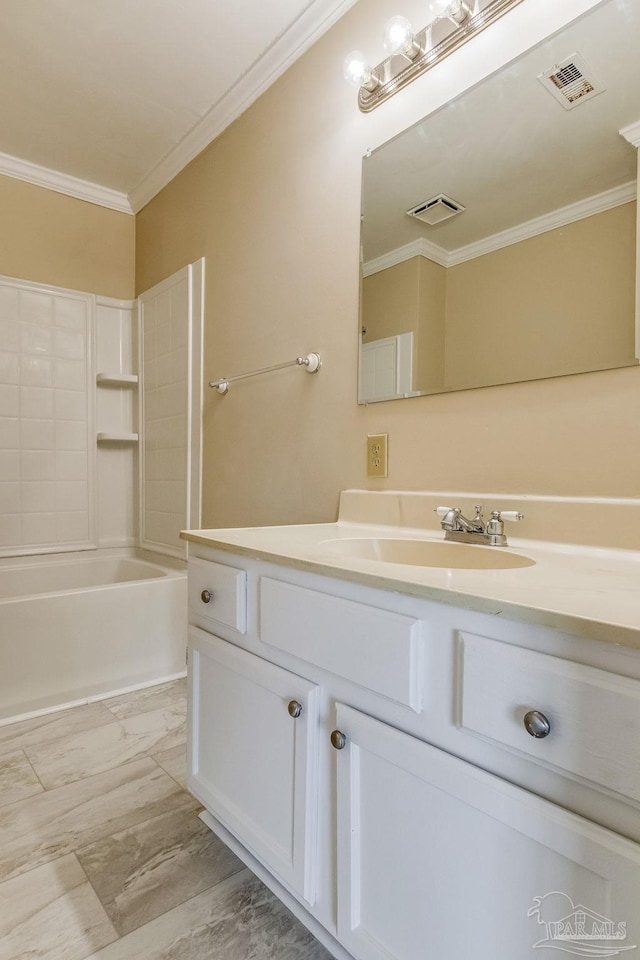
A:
x,y
536,724
206,596
295,709
338,740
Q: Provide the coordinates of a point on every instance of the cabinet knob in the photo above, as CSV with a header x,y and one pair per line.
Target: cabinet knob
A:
x,y
295,709
338,740
536,724
206,596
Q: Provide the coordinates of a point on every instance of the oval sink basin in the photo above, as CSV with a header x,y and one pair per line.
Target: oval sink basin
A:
x,y
428,553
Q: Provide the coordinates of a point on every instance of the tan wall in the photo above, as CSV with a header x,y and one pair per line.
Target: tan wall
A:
x,y
51,238
274,206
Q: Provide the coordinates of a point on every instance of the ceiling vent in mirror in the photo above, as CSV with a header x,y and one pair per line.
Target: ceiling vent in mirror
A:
x,y
436,209
571,82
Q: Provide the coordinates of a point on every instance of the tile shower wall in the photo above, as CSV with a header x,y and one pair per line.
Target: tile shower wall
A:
x,y
46,419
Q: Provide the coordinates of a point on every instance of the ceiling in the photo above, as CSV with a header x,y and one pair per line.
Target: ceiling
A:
x,y
109,99
510,153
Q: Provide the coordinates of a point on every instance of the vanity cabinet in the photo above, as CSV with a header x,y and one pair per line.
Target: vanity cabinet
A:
x,y
366,752
438,858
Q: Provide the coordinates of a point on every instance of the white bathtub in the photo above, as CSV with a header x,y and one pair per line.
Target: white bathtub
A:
x,y
77,627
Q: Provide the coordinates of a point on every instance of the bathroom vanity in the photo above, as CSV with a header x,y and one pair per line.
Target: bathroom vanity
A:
x,y
425,761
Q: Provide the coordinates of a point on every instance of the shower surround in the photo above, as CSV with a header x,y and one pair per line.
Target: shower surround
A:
x,y
84,613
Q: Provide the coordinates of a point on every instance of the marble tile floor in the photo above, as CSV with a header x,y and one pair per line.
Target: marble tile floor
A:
x,y
102,853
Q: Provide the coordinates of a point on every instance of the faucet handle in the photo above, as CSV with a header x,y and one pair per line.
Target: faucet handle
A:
x,y
442,511
510,515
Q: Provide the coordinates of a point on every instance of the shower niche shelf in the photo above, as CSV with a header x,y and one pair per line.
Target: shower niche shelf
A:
x,y
116,379
103,437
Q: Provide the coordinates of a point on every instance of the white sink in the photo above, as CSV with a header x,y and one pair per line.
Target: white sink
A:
x,y
427,553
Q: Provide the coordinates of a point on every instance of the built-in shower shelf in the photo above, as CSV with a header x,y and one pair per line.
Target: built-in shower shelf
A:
x,y
117,437
116,379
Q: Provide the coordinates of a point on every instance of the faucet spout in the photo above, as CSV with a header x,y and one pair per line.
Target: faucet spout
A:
x,y
455,520
458,528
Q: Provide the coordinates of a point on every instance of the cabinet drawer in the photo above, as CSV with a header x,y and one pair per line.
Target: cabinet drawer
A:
x,y
227,590
594,716
376,648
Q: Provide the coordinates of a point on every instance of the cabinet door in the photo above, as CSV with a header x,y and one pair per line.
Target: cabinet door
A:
x,y
253,764
437,858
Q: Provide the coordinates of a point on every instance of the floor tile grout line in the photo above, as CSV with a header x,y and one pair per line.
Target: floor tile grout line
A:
x,y
98,898
242,869
182,786
6,742
118,766
3,759
55,740
35,772
141,756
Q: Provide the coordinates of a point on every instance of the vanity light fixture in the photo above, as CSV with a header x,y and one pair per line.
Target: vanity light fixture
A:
x,y
452,23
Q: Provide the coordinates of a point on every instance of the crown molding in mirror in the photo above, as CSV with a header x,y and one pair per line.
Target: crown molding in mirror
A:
x,y
599,203
392,78
632,133
63,183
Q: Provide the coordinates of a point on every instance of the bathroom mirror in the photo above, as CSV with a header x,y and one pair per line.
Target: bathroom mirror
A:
x,y
519,259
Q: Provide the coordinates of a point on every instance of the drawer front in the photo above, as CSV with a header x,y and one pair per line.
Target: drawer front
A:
x,y
217,595
375,648
593,716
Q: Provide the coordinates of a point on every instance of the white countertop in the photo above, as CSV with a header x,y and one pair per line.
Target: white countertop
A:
x,y
589,591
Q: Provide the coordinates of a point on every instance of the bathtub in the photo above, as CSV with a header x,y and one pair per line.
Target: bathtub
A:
x,y
79,627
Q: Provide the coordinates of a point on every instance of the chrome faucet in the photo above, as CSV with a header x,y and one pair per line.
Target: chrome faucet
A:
x,y
459,529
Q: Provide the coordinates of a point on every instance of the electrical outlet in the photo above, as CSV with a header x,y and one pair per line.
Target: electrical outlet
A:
x,y
377,455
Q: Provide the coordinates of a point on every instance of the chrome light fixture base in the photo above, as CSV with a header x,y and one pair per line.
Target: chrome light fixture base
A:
x,y
437,41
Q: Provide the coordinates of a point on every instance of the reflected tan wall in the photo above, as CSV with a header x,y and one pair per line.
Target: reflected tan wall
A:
x,y
51,238
274,206
410,297
554,303
390,301
391,305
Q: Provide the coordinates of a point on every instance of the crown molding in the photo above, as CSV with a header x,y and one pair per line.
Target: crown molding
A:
x,y
63,183
599,203
308,28
417,248
549,221
632,133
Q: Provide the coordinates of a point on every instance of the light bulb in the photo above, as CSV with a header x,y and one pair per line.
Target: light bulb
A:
x,y
356,70
398,36
456,10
